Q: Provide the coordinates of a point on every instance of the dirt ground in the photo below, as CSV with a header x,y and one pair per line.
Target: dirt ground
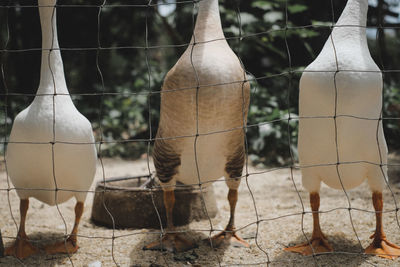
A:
x,y
276,203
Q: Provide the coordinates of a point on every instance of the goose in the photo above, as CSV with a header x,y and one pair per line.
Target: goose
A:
x,y
208,81
345,145
35,170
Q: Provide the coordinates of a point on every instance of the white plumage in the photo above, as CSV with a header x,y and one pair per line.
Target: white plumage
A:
x,y
341,140
35,168
30,165
359,94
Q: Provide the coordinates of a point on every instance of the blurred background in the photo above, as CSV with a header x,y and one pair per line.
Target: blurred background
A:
x,y
279,39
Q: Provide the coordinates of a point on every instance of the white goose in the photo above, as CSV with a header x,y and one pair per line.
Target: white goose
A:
x,y
29,153
220,108
359,94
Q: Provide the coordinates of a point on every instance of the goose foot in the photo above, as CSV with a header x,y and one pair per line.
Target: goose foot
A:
x,y
383,248
172,243
69,246
228,237
21,249
319,245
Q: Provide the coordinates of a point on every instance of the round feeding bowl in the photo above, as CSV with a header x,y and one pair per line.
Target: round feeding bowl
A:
x,y
132,202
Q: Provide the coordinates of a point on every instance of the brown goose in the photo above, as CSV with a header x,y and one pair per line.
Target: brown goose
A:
x,y
216,100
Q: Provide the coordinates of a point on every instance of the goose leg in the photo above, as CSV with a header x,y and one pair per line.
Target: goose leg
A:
x,y
172,242
380,245
229,235
22,248
318,242
70,245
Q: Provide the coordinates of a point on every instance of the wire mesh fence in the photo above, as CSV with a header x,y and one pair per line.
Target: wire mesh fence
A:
x,y
273,209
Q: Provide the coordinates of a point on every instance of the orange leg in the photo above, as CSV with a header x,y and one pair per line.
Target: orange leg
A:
x,y
22,248
171,241
318,241
380,245
229,235
70,245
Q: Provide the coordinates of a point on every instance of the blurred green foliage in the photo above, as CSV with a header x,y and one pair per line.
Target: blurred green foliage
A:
x,y
274,48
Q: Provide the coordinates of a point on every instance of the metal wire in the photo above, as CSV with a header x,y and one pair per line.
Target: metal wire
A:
x,y
379,34
149,92
197,135
102,132
54,137
2,67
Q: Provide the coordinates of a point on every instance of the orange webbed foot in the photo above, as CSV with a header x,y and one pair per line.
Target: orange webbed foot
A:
x,y
319,245
383,248
68,246
226,238
172,243
21,249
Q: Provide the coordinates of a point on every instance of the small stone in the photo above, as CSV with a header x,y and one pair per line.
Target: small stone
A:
x,y
61,226
94,264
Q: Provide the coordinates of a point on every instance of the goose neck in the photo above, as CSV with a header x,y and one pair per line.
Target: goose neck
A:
x,y
355,13
208,23
52,71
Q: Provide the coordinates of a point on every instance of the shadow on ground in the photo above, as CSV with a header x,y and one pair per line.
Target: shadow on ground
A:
x,y
346,253
196,257
39,240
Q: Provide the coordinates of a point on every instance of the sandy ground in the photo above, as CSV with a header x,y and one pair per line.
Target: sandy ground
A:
x,y
279,212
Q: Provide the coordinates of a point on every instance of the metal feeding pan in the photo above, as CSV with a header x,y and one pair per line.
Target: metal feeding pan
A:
x,y
132,201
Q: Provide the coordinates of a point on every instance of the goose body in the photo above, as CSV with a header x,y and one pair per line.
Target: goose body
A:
x,y
204,94
37,168
29,154
222,104
30,165
358,106
220,112
341,140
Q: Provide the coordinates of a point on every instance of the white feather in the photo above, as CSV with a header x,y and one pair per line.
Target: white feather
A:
x,y
361,145
29,155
